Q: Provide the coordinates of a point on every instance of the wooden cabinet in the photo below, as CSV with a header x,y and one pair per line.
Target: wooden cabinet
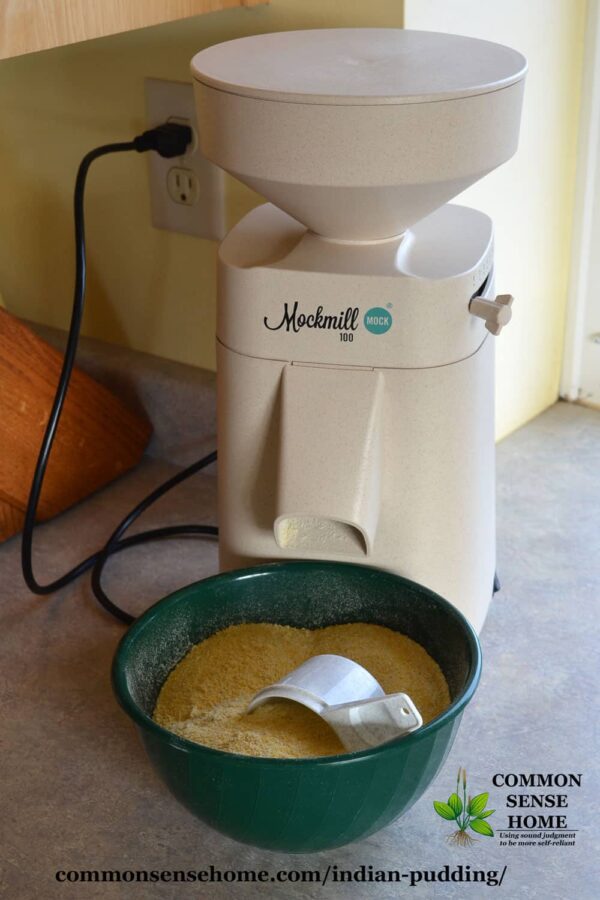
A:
x,y
30,25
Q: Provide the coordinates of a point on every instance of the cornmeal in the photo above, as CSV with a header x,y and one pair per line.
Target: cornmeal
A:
x,y
206,695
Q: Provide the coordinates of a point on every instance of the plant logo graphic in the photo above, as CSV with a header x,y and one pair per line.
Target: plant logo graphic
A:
x,y
470,812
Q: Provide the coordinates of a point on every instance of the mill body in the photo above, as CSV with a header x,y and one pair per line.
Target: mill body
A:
x,y
348,429
356,313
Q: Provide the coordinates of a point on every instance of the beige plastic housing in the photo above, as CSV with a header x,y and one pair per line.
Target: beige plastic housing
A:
x,y
355,360
358,133
342,443
429,445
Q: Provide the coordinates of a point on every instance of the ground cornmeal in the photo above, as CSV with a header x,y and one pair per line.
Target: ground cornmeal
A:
x,y
205,697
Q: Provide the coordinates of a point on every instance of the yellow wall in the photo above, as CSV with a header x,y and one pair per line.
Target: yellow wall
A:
x,y
155,291
149,289
531,197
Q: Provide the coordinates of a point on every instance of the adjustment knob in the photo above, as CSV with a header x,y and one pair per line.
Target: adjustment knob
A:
x,y
496,313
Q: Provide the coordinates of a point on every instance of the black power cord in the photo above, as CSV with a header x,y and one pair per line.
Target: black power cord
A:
x,y
169,140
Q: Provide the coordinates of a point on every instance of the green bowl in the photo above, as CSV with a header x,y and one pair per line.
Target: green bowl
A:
x,y
296,805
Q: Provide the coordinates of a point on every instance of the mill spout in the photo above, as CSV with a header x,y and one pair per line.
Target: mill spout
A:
x,y
329,479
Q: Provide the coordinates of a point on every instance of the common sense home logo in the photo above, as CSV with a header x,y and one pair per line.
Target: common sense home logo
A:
x,y
466,811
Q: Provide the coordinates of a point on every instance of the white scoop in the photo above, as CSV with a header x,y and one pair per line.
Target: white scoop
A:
x,y
348,698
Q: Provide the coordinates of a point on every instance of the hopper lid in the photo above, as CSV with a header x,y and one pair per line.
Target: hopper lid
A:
x,y
358,66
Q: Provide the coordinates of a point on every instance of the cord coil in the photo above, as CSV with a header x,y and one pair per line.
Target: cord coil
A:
x,y
169,140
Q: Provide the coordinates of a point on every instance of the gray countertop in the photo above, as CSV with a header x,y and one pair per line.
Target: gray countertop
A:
x,y
79,793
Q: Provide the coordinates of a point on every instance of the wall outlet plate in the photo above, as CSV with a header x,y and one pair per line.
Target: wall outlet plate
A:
x,y
187,194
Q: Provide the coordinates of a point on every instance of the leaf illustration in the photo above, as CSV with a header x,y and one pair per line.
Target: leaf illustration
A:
x,y
477,804
486,813
443,810
455,804
481,827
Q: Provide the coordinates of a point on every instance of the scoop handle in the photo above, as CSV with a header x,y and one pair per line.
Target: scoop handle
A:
x,y
369,723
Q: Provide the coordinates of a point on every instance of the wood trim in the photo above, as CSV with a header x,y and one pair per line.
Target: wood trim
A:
x,y
587,194
27,26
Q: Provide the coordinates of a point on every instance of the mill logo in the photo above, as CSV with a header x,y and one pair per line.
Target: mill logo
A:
x,y
294,320
378,320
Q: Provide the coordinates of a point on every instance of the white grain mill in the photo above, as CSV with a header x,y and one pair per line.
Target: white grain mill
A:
x,y
357,316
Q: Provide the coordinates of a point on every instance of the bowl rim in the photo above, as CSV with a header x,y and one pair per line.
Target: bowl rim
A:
x,y
144,721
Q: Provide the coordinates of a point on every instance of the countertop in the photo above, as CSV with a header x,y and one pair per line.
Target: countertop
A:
x,y
79,794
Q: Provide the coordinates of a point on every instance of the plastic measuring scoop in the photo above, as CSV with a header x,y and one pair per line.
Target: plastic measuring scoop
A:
x,y
348,698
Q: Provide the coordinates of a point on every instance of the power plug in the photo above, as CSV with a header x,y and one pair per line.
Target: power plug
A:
x,y
186,193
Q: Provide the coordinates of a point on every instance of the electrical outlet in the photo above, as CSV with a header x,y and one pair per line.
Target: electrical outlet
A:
x,y
183,186
186,193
